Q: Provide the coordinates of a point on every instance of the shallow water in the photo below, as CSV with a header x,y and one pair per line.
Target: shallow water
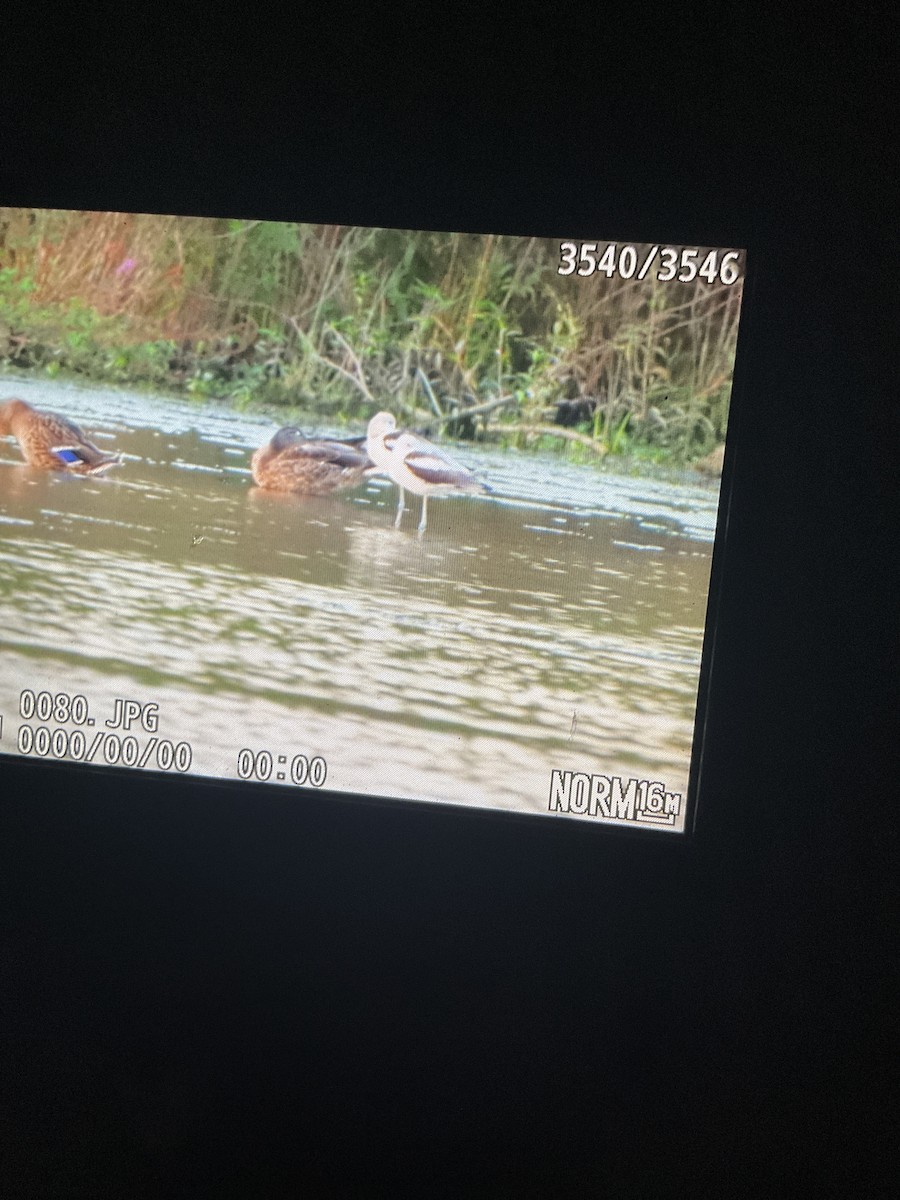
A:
x,y
556,624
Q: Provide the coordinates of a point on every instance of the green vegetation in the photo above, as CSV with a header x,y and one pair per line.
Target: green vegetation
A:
x,y
478,336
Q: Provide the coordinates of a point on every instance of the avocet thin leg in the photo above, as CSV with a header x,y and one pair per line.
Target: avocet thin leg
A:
x,y
400,509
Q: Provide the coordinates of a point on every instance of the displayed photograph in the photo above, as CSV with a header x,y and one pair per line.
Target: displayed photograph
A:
x,y
398,514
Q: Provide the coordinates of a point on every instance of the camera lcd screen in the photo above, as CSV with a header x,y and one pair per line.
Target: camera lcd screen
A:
x,y
397,514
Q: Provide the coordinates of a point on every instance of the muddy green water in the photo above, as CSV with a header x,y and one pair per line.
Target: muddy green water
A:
x,y
556,624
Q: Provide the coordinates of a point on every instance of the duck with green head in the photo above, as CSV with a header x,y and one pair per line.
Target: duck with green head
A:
x,y
51,442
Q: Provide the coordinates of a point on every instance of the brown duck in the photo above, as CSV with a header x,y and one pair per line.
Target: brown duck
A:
x,y
291,462
51,442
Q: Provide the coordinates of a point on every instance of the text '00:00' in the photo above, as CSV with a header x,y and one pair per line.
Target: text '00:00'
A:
x,y
262,766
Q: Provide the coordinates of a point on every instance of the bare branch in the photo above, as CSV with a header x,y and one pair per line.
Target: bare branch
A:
x,y
429,392
567,435
327,362
478,410
354,359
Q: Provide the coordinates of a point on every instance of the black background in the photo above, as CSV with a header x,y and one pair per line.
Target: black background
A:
x,y
211,990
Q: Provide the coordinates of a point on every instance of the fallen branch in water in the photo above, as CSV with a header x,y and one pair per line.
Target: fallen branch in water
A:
x,y
567,435
478,410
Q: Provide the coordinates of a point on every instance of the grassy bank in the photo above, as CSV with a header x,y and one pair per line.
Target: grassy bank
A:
x,y
478,337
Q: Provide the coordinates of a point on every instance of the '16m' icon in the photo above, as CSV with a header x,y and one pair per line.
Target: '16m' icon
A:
x,y
612,797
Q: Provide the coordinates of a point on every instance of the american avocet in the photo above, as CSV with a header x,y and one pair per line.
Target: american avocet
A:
x,y
52,442
416,466
306,466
